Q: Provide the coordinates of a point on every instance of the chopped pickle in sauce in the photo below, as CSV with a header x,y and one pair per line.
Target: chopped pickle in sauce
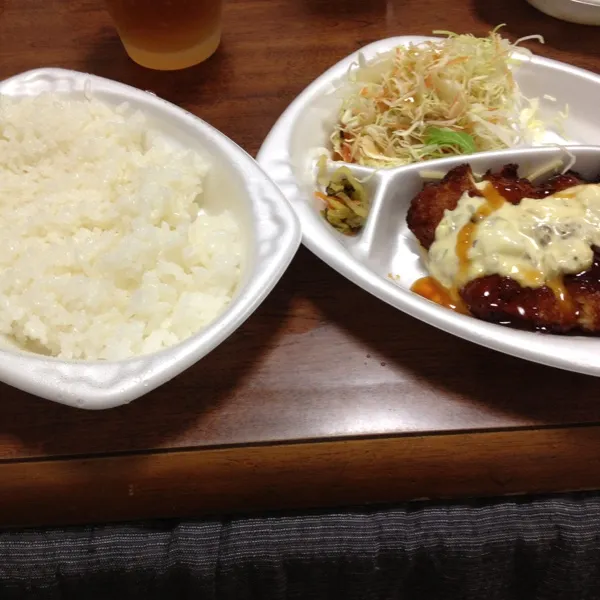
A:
x,y
346,202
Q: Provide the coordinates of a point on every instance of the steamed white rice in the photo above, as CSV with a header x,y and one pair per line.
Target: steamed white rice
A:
x,y
106,251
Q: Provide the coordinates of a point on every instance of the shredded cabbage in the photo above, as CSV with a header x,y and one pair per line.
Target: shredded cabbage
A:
x,y
396,105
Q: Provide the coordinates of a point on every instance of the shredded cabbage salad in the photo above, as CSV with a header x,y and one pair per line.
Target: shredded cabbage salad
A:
x,y
434,99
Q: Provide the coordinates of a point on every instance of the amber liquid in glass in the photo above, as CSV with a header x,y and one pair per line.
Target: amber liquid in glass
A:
x,y
168,34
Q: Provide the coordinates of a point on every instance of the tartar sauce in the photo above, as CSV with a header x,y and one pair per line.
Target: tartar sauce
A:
x,y
534,242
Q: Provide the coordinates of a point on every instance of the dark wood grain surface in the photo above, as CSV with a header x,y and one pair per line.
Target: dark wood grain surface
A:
x,y
321,360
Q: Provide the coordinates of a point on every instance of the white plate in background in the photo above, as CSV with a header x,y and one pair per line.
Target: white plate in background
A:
x,y
271,238
584,12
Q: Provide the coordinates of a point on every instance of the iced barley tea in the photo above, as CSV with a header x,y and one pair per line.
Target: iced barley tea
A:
x,y
168,34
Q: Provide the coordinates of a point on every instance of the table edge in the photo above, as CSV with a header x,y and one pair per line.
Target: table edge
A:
x,y
192,483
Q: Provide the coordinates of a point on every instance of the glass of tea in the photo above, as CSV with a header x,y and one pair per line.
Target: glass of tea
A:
x,y
168,34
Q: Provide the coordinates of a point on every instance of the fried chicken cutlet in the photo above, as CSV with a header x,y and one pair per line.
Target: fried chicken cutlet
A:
x,y
559,306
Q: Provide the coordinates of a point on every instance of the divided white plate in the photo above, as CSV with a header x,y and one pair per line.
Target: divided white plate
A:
x,y
385,246
271,235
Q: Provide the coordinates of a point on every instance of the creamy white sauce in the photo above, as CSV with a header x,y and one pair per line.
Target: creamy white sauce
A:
x,y
532,242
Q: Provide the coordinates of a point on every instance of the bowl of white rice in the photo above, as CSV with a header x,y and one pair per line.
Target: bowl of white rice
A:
x,y
136,238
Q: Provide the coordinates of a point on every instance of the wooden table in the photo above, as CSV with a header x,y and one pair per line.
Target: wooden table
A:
x,y
326,396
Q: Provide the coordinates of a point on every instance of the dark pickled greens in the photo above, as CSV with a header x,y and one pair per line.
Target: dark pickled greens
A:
x,y
346,202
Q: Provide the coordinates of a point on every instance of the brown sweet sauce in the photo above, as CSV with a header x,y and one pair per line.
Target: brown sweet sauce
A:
x,y
533,277
464,241
432,289
494,199
568,309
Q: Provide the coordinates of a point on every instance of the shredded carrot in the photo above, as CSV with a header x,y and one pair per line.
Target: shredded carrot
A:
x,y
458,60
346,152
454,102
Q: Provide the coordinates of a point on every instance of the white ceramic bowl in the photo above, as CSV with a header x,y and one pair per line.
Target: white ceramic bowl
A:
x,y
271,237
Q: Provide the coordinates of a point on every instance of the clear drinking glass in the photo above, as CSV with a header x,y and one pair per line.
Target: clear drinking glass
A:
x,y
168,34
